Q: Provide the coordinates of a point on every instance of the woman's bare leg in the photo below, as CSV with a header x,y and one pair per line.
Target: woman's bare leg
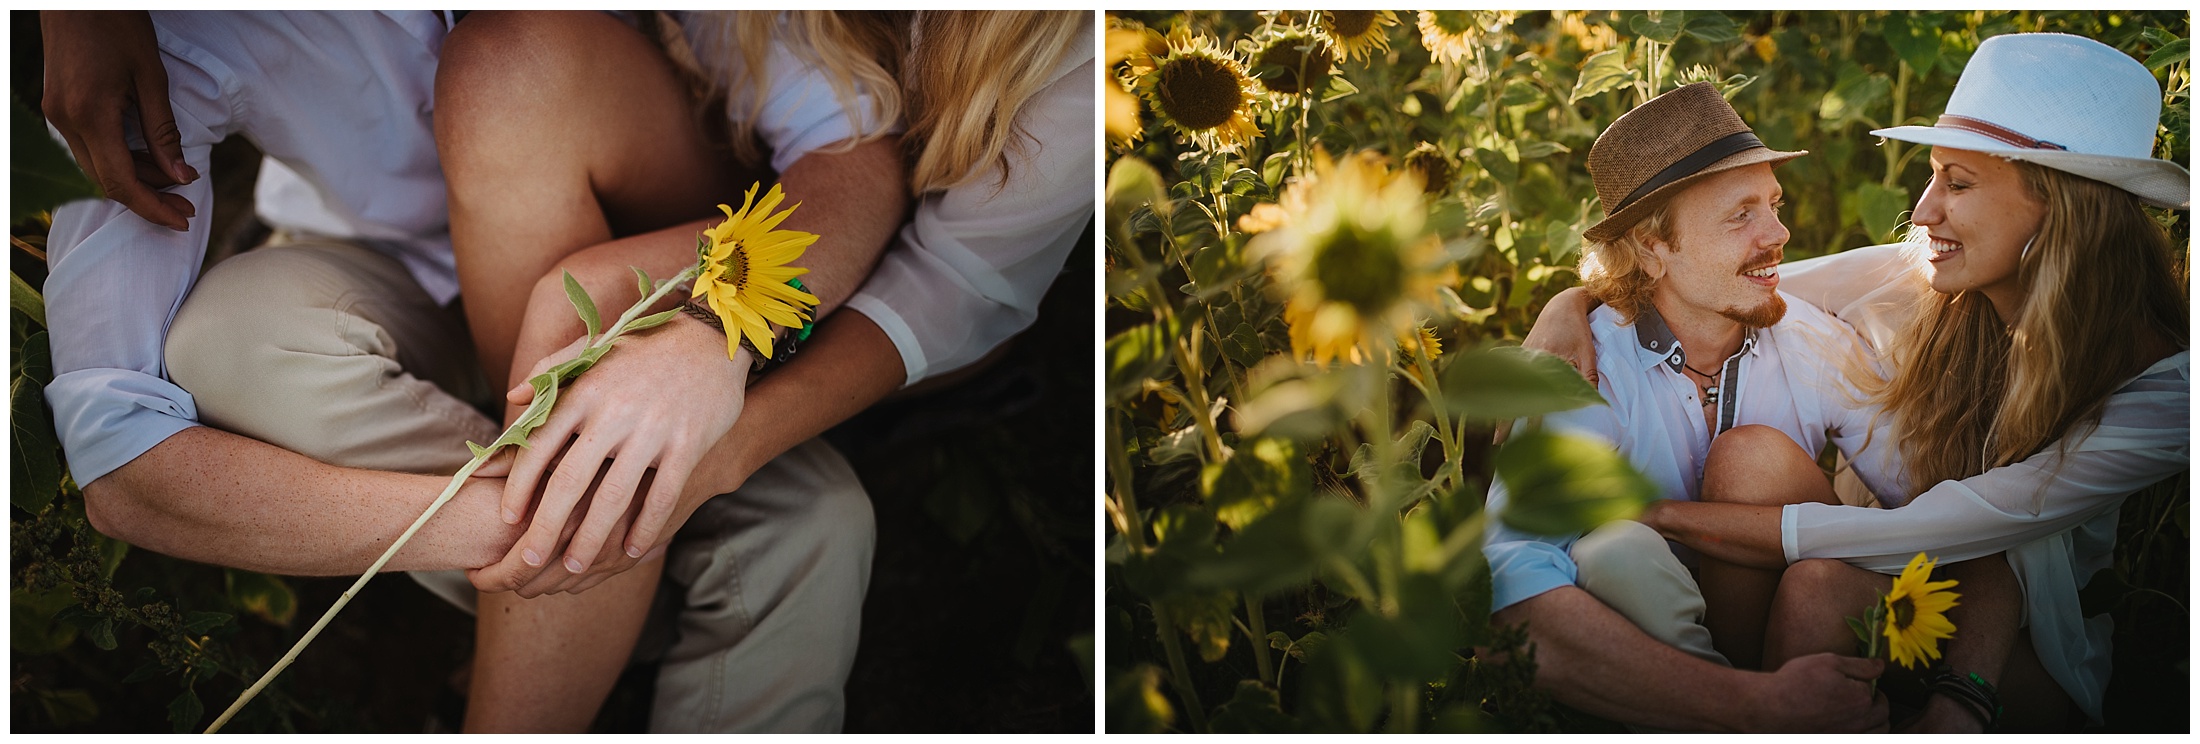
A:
x,y
556,130
1760,466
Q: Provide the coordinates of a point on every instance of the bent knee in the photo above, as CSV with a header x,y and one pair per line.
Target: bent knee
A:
x,y
1624,554
1615,545
1760,465
1815,575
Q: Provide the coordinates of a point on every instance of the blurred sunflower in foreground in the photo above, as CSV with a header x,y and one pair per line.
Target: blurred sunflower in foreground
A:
x,y
1350,246
1200,89
1358,33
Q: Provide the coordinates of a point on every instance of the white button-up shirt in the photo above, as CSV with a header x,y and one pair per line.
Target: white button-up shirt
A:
x,y
340,102
2053,515
1787,377
970,268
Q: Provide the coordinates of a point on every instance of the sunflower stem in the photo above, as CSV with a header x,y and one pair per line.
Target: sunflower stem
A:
x,y
457,480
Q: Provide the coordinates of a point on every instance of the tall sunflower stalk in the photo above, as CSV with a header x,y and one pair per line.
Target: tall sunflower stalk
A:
x,y
729,247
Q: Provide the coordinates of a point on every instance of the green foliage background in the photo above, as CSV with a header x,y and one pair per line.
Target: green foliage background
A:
x,y
1317,572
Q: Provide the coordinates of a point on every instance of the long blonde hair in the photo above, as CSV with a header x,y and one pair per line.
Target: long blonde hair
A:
x,y
959,77
1970,393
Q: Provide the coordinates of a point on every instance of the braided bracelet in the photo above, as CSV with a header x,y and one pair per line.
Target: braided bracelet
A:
x,y
1976,694
695,306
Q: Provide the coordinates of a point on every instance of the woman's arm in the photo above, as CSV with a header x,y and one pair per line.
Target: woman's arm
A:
x,y
1836,282
1562,329
2143,437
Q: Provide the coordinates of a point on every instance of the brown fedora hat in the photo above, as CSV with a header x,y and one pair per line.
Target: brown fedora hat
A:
x,y
1661,147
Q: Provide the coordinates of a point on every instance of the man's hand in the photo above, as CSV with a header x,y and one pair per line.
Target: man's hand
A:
x,y
1820,693
99,64
657,403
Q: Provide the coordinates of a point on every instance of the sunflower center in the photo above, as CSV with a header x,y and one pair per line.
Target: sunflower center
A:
x,y
1284,61
1903,611
735,269
1454,22
1359,268
1198,92
1350,23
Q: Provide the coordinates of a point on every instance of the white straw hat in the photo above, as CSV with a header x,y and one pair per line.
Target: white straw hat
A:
x,y
2065,102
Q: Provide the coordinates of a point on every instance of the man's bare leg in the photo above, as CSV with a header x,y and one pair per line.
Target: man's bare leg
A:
x,y
1591,658
1755,465
556,647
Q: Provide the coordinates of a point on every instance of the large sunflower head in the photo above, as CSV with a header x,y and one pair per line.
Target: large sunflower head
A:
x,y
745,277
1293,62
1353,252
1917,614
1201,90
1358,33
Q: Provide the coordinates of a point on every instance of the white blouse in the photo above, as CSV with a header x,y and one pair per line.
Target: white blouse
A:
x,y
968,270
2054,514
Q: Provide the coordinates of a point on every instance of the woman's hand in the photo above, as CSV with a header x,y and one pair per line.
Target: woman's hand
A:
x,y
1563,329
659,401
98,65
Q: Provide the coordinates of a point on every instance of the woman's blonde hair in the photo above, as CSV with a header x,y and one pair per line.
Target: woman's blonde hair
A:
x,y
1970,393
959,78
1612,271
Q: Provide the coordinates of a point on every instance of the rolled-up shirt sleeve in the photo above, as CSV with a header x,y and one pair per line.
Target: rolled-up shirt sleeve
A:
x,y
970,268
2143,437
114,283
800,112
1522,564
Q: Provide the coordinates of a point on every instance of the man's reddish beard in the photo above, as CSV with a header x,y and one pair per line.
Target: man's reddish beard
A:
x,y
1761,316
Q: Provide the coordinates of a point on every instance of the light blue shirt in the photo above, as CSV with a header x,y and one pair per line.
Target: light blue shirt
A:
x,y
342,105
1786,377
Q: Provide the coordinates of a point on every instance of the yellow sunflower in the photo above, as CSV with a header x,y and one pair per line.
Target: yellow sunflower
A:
x,y
1429,162
1136,44
745,276
1358,33
1201,90
1917,614
1293,62
1448,34
1352,250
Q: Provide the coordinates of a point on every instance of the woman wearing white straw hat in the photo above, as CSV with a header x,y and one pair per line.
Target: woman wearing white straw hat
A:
x,y
2034,324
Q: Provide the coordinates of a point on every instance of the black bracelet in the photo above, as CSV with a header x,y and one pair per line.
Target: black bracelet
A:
x,y
1976,694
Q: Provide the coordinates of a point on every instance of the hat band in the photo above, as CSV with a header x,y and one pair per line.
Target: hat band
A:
x,y
1997,132
1696,161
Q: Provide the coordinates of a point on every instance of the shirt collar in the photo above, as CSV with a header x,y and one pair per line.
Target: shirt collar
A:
x,y
1656,345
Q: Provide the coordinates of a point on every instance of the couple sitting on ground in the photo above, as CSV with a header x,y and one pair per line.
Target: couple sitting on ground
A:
x,y
1997,384
335,369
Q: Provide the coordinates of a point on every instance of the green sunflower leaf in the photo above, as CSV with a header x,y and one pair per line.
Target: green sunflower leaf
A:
x,y
647,322
583,304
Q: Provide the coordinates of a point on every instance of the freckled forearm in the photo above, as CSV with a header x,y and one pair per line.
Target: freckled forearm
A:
x,y
1737,533
215,497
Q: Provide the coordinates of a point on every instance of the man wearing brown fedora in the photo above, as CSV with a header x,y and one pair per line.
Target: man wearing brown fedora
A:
x,y
1697,340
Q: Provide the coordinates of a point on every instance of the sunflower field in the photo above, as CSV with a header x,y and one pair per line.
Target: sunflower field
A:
x,y
1325,233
